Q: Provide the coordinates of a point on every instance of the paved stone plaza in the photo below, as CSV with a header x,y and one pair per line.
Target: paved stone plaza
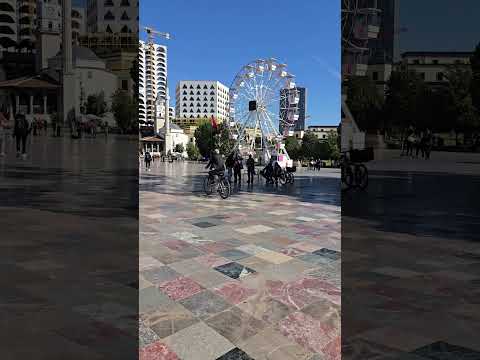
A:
x,y
410,261
256,276
69,222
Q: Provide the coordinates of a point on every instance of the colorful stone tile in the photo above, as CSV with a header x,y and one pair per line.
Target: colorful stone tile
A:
x,y
233,254
312,335
235,270
331,254
254,229
157,351
205,304
180,288
235,354
270,344
444,351
211,260
165,322
273,257
160,275
209,278
303,292
234,292
198,342
235,325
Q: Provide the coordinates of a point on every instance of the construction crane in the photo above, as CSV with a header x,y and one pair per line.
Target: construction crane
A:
x,y
151,33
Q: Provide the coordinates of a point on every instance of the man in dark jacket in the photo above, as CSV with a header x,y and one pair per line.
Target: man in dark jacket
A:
x,y
20,132
215,164
237,169
229,162
250,169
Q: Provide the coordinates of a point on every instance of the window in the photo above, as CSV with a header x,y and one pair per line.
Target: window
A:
x,y
109,16
375,75
184,86
191,86
212,87
198,87
125,3
324,136
184,93
124,84
439,76
125,16
191,93
184,99
89,75
205,87
192,99
198,93
50,25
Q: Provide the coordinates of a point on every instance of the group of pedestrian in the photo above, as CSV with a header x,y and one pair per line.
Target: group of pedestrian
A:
x,y
315,165
234,165
417,142
39,126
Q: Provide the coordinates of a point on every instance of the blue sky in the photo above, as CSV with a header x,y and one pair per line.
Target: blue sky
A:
x,y
439,25
213,39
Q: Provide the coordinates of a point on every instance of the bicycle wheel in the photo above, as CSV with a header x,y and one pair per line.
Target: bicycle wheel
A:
x,y
208,184
292,178
361,176
347,175
224,188
282,179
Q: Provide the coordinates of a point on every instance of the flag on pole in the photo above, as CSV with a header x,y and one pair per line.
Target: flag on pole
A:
x,y
214,123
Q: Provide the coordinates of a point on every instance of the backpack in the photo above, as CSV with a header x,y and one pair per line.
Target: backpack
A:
x,y
148,157
22,126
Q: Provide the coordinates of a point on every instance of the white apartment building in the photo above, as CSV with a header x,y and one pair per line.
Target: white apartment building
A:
x,y
321,131
152,79
112,16
8,24
432,65
196,99
19,20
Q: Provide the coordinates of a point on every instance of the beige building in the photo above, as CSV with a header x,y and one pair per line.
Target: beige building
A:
x,y
321,131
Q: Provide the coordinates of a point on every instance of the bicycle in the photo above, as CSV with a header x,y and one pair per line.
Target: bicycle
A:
x,y
222,186
353,174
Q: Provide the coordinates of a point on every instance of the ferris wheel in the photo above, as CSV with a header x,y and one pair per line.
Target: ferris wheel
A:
x,y
360,23
263,107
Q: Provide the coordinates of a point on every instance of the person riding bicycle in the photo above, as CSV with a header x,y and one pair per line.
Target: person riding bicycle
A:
x,y
215,164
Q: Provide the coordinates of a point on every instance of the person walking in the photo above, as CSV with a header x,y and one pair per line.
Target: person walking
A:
x,y
20,132
237,169
229,162
250,169
427,143
148,160
3,134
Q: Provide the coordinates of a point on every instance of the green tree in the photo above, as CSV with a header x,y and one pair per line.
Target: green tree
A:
x,y
475,83
192,151
125,111
332,143
204,138
310,147
403,98
365,103
459,83
223,140
96,104
179,148
293,147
